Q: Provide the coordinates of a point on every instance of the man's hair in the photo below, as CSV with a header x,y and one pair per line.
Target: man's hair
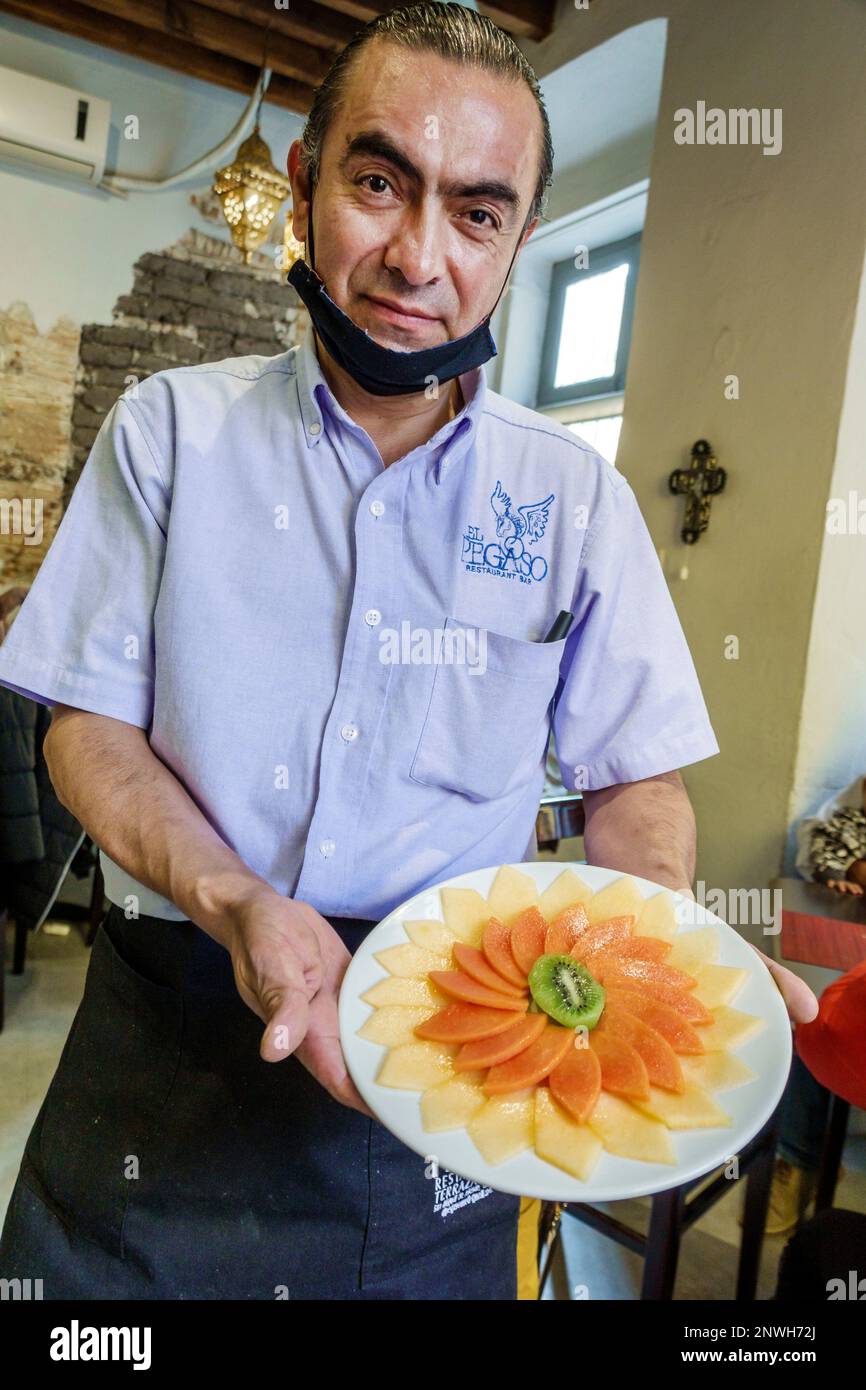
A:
x,y
451,31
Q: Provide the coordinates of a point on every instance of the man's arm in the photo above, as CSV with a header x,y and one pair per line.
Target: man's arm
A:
x,y
647,828
287,959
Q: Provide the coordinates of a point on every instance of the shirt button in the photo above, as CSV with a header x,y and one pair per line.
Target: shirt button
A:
x,y
372,617
315,428
377,508
349,732
327,847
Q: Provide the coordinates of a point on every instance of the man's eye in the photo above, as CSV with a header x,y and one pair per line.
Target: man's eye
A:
x,y
365,178
484,213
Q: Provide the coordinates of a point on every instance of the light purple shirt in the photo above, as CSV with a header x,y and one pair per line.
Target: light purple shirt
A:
x,y
239,575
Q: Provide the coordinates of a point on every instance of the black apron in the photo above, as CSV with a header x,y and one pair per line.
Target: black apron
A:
x,y
168,1161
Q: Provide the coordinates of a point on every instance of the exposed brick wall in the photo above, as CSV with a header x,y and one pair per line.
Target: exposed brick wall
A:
x,y
181,311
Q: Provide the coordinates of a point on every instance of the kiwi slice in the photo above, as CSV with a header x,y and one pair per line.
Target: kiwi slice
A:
x,y
564,989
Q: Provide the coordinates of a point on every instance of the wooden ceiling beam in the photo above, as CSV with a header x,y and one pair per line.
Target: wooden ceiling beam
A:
x,y
84,23
315,24
219,33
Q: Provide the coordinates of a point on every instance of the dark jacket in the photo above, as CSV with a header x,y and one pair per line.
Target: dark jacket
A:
x,y
38,836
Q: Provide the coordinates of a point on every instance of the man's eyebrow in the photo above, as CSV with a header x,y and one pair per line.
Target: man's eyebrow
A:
x,y
378,145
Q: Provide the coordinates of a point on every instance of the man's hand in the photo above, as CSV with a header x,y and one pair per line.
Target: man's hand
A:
x,y
288,964
800,1001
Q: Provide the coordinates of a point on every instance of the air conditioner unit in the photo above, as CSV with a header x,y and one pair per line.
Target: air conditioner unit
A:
x,y
44,125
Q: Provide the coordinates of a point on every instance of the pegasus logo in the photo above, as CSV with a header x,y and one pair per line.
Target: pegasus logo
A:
x,y
532,518
507,556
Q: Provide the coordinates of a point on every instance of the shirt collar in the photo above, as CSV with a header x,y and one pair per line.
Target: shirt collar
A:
x,y
316,398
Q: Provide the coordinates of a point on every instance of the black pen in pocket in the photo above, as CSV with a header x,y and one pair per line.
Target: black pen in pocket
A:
x,y
561,625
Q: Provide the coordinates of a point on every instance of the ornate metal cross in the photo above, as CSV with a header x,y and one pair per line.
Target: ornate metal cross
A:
x,y
698,483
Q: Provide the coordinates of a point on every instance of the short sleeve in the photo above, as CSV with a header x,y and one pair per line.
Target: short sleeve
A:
x,y
84,634
629,702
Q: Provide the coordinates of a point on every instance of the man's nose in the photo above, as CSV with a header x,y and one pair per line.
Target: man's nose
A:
x,y
417,247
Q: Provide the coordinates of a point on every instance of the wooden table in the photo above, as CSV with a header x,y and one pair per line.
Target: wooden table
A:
x,y
820,926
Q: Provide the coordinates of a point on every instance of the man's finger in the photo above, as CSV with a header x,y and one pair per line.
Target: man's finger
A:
x,y
288,1012
800,1001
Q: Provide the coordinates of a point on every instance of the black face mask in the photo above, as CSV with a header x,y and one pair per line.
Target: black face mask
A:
x,y
383,371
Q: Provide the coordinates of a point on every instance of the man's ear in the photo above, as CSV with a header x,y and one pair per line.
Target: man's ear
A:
x,y
300,182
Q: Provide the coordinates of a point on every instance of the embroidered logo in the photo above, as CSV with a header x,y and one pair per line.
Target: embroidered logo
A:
x,y
508,556
452,1193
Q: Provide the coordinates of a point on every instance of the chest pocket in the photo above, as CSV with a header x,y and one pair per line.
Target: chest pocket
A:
x,y
486,728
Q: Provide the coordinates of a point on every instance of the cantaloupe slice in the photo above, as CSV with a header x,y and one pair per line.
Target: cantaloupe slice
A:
x,y
466,913
692,949
452,1104
475,964
394,1024
730,1029
717,1071
411,960
417,1066
462,1023
719,984
681,1000
693,1109
504,1126
510,892
566,890
641,947
656,917
624,1131
400,989
622,898
430,936
560,1140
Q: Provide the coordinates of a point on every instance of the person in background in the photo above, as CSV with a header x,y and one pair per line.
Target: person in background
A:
x,y
831,849
832,1051
831,845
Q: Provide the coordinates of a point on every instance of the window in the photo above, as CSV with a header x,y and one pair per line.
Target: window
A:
x,y
587,341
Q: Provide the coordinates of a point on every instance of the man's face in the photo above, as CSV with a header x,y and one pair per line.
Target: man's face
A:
x,y
427,175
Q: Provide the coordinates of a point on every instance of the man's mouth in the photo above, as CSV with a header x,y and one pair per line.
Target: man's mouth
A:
x,y
395,313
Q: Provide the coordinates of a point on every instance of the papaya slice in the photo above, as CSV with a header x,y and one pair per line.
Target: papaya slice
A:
x,y
528,931
460,1023
531,1065
575,1082
472,962
690,1008
489,1052
496,945
640,948
575,920
642,972
623,1071
657,1055
557,940
601,937
673,1024
459,985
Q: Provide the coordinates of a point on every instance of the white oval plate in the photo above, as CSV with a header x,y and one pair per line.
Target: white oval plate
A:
x,y
613,1179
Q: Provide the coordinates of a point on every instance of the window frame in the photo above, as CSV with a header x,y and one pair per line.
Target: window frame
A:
x,y
564,275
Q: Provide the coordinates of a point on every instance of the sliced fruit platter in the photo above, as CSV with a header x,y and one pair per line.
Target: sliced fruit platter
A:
x,y
563,1032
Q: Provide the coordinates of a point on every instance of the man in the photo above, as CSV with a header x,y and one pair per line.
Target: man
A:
x,y
220,623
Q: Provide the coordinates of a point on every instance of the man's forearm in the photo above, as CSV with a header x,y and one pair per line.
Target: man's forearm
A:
x,y
105,772
644,828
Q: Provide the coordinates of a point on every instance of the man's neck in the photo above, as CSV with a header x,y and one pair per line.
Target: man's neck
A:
x,y
396,424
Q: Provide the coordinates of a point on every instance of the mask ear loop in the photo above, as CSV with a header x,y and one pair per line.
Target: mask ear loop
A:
x,y
486,318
